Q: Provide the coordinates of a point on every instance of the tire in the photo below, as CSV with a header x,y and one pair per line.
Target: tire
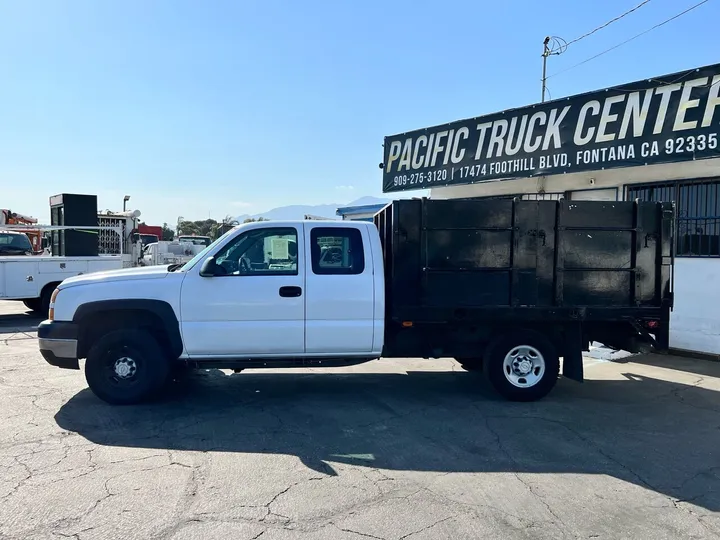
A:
x,y
33,304
522,365
126,367
45,300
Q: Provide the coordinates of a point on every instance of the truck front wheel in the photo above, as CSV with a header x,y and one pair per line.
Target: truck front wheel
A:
x,y
125,367
522,365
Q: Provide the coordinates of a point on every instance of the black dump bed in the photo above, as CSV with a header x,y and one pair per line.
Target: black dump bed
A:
x,y
457,259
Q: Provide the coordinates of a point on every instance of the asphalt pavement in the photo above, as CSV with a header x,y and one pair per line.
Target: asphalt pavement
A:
x,y
392,450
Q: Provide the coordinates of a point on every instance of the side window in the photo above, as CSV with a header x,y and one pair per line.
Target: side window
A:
x,y
337,250
269,251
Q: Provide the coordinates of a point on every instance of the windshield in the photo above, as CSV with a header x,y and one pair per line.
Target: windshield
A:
x,y
196,240
14,243
146,239
192,262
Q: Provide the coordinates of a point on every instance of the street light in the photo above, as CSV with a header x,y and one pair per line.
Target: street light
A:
x,y
125,200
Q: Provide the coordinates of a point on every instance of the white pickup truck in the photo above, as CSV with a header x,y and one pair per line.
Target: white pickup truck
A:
x,y
428,279
32,279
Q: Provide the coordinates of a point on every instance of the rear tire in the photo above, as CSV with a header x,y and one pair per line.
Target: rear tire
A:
x,y
45,297
126,367
522,365
471,364
33,304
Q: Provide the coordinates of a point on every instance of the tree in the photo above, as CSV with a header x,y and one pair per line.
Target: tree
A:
x,y
203,227
167,233
253,220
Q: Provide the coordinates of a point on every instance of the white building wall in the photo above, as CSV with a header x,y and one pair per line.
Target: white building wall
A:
x,y
695,320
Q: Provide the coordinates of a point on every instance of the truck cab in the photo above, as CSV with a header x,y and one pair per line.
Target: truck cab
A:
x,y
293,293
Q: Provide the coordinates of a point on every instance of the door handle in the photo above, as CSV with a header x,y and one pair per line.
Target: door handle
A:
x,y
290,292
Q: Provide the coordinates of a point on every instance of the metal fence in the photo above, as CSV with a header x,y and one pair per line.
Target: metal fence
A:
x,y
109,241
697,204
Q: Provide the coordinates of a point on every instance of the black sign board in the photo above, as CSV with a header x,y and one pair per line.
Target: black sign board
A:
x,y
665,119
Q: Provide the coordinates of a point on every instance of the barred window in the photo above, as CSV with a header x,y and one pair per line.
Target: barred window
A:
x,y
697,206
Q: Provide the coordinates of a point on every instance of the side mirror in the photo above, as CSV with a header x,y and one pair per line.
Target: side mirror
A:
x,y
209,267
45,242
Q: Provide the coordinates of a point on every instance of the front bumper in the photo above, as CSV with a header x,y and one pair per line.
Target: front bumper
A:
x,y
58,341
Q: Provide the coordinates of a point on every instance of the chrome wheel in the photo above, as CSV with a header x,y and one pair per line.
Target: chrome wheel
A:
x,y
524,366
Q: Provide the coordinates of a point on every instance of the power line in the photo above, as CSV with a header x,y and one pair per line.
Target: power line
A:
x,y
631,39
628,12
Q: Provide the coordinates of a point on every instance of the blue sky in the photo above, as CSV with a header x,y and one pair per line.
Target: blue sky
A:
x,y
218,107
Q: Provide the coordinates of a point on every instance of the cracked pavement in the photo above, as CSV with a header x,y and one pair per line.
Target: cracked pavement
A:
x,y
392,450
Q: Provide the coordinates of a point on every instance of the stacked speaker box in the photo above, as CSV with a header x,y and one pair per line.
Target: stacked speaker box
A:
x,y
72,210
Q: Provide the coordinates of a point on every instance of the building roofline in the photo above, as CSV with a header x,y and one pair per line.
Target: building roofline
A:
x,y
362,209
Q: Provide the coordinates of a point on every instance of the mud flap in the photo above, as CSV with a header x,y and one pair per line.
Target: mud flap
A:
x,y
572,347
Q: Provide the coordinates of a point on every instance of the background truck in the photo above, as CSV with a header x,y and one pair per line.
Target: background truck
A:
x,y
507,287
169,252
8,217
33,279
15,243
195,239
149,230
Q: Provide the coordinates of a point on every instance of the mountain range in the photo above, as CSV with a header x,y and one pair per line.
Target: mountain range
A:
x,y
298,211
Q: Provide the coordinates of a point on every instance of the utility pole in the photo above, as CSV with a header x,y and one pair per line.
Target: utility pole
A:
x,y
545,54
551,46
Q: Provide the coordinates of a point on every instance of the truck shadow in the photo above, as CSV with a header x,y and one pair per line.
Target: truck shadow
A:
x,y
19,321
663,436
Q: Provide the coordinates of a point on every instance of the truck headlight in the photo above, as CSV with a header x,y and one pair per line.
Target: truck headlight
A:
x,y
51,311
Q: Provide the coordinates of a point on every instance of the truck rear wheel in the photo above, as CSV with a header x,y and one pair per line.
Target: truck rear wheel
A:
x,y
126,367
522,365
33,304
45,297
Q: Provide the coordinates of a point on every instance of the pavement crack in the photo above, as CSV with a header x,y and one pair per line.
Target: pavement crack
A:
x,y
527,485
352,531
438,522
128,460
275,497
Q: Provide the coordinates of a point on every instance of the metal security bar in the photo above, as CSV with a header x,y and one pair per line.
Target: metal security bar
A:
x,y
697,204
527,197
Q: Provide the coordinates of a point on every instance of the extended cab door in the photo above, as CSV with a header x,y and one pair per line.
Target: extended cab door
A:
x,y
339,309
256,307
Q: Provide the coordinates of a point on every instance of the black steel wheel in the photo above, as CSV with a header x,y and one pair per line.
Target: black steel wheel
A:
x,y
126,367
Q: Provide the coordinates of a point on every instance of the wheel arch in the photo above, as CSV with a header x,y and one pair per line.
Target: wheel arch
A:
x,y
105,315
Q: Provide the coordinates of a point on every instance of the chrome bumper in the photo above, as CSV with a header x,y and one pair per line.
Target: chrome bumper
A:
x,y
58,344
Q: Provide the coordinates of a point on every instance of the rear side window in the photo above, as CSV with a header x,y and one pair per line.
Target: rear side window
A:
x,y
337,250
